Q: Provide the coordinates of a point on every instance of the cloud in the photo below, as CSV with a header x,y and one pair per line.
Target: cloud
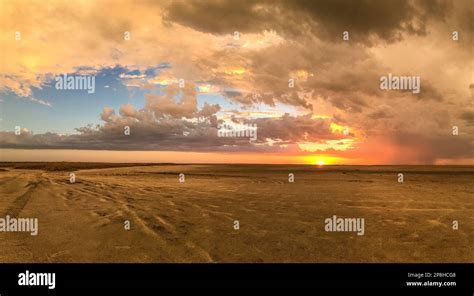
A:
x,y
326,19
468,116
108,114
128,111
174,122
220,17
279,41
168,106
409,148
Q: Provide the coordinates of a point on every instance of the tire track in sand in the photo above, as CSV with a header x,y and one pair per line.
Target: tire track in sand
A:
x,y
20,202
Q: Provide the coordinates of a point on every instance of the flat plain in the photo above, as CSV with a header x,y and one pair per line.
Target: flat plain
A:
x,y
193,221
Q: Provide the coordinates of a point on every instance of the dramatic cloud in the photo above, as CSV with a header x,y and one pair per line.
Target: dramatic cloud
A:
x,y
190,60
168,124
325,18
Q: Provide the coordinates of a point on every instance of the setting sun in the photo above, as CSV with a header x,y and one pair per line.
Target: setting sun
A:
x,y
321,160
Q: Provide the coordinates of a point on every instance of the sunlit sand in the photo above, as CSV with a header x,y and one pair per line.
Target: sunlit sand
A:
x,y
279,221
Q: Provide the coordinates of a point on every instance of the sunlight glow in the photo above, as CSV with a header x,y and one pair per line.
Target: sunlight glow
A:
x,y
321,160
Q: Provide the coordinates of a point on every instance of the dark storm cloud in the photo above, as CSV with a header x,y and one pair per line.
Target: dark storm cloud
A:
x,y
295,129
220,17
429,92
429,148
232,93
326,19
468,116
173,134
379,114
385,19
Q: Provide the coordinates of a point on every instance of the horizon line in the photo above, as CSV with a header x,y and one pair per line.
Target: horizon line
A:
x,y
229,163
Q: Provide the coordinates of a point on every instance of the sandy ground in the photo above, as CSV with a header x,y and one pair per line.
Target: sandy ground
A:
x,y
279,221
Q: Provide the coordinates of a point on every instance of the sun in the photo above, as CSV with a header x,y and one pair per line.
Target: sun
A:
x,y
321,160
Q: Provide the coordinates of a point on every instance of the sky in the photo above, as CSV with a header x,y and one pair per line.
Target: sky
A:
x,y
306,75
